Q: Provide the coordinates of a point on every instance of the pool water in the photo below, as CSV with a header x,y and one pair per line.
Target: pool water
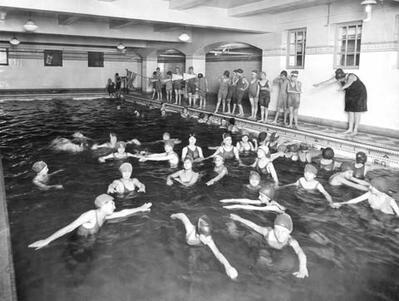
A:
x,y
352,253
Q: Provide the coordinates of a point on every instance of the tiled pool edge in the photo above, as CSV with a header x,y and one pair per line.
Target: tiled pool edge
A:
x,y
377,155
7,275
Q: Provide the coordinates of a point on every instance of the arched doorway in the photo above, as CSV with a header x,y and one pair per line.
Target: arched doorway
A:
x,y
230,56
169,59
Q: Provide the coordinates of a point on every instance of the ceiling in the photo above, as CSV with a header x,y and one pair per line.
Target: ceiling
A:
x,y
228,3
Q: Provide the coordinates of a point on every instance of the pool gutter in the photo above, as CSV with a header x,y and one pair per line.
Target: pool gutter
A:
x,y
7,275
378,155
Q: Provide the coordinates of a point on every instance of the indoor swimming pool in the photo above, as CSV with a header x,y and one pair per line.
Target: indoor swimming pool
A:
x,y
352,252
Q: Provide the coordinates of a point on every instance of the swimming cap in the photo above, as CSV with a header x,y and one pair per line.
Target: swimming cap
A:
x,y
381,184
268,191
204,225
201,115
293,148
102,199
284,220
361,157
126,167
303,146
327,153
226,135
38,166
345,166
120,144
311,169
274,136
232,121
282,148
254,174
217,156
240,71
244,133
262,136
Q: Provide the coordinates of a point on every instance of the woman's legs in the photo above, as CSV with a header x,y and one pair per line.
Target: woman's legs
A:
x,y
291,117
228,102
266,114
256,100
241,110
296,117
218,104
351,117
357,122
262,113
252,102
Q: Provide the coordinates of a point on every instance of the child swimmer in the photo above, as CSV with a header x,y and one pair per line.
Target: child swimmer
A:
x,y
42,177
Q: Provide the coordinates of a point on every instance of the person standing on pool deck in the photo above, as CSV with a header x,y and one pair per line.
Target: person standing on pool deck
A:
x,y
177,85
201,235
282,83
279,237
118,82
294,91
126,183
43,177
192,150
90,222
232,93
264,97
224,83
202,88
191,87
355,97
253,94
241,86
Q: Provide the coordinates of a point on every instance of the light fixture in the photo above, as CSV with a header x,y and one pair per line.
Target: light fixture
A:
x,y
121,46
30,26
368,4
184,37
3,15
14,41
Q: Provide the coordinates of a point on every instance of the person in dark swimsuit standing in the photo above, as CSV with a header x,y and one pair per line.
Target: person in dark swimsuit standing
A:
x,y
355,97
90,222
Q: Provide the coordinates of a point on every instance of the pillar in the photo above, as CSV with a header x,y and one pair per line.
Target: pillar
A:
x,y
196,61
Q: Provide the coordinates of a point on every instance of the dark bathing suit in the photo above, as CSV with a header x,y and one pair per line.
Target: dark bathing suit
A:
x,y
355,96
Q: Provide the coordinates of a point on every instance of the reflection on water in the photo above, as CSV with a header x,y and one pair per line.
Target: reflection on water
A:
x,y
352,253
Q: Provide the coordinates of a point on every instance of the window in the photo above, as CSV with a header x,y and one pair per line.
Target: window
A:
x,y
3,56
296,48
348,45
95,59
52,58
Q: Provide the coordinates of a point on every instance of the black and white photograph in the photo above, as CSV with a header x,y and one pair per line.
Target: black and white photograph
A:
x,y
199,150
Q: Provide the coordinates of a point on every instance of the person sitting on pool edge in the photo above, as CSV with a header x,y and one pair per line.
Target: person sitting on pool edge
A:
x,y
112,142
265,201
90,222
378,198
201,235
126,184
279,237
345,178
309,182
168,155
120,154
219,169
43,177
186,176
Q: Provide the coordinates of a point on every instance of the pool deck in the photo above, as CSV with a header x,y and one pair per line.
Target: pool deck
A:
x,y
381,149
7,279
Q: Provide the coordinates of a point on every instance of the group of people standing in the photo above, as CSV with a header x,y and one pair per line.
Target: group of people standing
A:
x,y
233,88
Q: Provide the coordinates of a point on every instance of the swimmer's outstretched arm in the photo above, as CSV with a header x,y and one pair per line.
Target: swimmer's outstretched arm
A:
x,y
156,157
288,185
359,199
261,230
230,270
360,184
174,176
242,201
328,197
276,155
55,172
104,158
273,173
139,185
126,212
326,82
303,270
273,208
84,218
134,141
394,206
218,177
96,146
43,186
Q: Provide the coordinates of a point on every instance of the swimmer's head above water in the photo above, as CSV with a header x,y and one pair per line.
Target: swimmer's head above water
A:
x,y
361,158
105,202
40,167
166,136
126,170
262,137
327,153
283,227
192,139
310,172
112,138
266,193
254,179
188,163
120,147
204,226
227,140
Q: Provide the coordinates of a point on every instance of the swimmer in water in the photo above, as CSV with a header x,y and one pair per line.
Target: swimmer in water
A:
x,y
43,177
121,153
309,182
279,237
345,178
201,235
227,150
264,164
165,138
264,203
168,155
326,162
203,118
219,169
185,114
90,222
186,176
254,181
192,150
78,144
245,146
231,127
126,184
112,142
378,198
